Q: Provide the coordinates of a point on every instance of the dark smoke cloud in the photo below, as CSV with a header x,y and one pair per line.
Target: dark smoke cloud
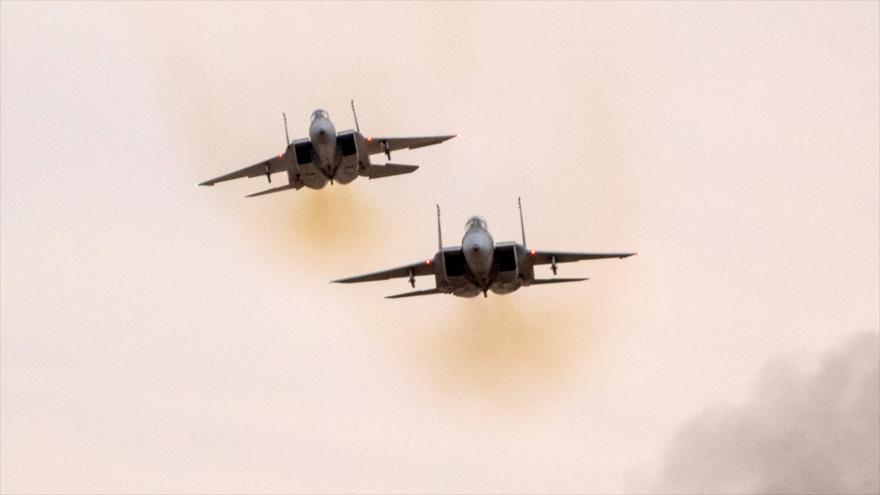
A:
x,y
799,432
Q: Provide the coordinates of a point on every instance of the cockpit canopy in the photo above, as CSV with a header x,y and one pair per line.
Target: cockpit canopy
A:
x,y
476,222
322,114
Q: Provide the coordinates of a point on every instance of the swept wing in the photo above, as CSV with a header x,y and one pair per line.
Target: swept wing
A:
x,y
546,257
278,163
413,269
388,144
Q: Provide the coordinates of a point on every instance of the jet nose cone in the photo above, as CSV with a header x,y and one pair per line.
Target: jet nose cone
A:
x,y
475,248
322,131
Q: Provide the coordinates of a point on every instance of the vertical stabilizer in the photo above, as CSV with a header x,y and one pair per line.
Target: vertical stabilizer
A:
x,y
522,225
440,244
439,230
286,135
356,125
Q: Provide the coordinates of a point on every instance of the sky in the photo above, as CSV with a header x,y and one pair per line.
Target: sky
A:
x,y
159,337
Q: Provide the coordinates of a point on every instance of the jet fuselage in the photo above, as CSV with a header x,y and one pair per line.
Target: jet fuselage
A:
x,y
480,265
325,156
322,134
478,247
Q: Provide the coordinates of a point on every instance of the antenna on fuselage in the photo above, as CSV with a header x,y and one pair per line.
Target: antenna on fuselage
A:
x,y
286,135
356,126
522,225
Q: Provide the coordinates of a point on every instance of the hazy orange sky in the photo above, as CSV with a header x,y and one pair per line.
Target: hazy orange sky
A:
x,y
157,337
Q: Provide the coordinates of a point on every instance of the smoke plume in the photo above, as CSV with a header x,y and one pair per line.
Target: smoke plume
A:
x,y
799,433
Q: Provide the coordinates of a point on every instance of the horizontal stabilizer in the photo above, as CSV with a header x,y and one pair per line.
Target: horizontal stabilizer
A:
x,y
416,293
273,190
556,280
389,169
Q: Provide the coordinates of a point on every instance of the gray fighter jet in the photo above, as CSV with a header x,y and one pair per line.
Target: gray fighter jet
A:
x,y
481,265
328,156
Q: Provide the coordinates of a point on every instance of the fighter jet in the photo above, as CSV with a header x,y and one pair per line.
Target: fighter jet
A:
x,y
480,264
328,156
